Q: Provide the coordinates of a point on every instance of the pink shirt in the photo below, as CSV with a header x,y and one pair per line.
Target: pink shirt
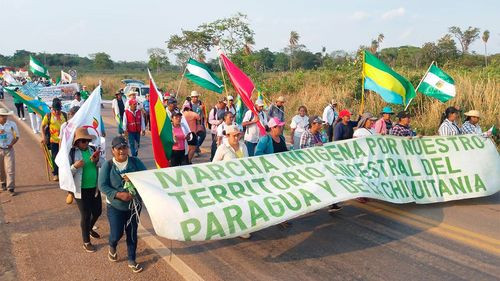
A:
x,y
179,138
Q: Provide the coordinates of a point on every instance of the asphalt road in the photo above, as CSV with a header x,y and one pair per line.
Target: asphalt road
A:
x,y
40,239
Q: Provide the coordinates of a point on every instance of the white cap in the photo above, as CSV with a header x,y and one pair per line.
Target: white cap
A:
x,y
230,98
259,102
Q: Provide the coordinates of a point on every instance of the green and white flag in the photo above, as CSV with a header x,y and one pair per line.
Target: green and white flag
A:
x,y
38,69
438,84
201,75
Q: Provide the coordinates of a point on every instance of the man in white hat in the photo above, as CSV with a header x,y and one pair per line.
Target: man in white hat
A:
x,y
230,105
249,123
9,135
471,124
278,109
330,115
198,107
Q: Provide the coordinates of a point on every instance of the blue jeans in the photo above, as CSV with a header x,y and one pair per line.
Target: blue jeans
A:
x,y
134,140
251,148
117,223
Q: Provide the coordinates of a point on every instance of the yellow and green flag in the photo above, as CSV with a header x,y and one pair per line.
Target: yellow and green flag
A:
x,y
380,78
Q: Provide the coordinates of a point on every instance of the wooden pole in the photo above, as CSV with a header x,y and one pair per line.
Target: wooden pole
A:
x,y
419,83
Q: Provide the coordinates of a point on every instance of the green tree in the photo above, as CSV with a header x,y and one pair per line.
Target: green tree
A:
x,y
189,44
102,61
293,41
447,48
485,37
233,33
157,59
466,37
430,52
281,61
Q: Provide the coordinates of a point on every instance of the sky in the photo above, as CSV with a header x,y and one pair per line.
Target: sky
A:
x,y
126,29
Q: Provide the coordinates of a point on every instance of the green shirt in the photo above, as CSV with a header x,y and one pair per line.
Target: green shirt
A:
x,y
17,100
89,174
84,95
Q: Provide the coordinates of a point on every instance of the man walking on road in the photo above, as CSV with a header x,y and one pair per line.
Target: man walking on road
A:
x,y
9,135
51,127
134,126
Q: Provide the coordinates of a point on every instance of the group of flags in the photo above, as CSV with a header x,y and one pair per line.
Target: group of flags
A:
x,y
394,88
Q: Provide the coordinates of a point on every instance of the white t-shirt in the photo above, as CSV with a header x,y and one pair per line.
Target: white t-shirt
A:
x,y
8,132
299,124
76,103
252,133
220,129
363,132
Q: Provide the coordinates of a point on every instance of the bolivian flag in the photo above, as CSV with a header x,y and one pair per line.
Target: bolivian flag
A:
x,y
378,77
161,127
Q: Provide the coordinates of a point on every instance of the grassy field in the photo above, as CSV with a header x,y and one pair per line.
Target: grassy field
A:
x,y
477,89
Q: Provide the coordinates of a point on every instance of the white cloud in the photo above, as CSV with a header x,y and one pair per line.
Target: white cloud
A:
x,y
360,15
399,12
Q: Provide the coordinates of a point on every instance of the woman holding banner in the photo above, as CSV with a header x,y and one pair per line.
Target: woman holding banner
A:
x,y
232,149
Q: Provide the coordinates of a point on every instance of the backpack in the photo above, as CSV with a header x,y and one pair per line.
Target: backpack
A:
x,y
47,128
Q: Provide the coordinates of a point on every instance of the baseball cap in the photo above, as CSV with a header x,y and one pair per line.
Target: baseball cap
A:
x,y
232,130
316,119
275,122
344,112
171,101
403,114
259,103
230,98
118,142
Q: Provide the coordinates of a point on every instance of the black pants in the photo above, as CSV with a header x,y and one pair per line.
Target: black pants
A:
x,y
20,109
147,121
177,158
213,148
330,133
54,149
90,208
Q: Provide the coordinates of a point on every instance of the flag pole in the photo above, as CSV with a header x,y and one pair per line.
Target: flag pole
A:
x,y
419,83
363,81
222,74
182,78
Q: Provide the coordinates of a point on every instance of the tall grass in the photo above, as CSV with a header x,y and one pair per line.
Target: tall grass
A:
x,y
314,89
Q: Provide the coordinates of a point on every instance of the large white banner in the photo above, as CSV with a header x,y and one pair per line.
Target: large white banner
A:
x,y
89,116
226,199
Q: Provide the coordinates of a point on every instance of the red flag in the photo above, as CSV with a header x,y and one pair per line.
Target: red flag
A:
x,y
161,127
243,86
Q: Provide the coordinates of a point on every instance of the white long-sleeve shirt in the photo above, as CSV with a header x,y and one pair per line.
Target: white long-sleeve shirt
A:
x,y
329,115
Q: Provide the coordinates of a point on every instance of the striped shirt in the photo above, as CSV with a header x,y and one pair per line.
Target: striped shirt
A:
x,y
449,128
470,129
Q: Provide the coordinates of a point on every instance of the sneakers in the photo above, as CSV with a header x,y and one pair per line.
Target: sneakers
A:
x,y
69,198
55,178
23,119
94,234
88,247
334,208
112,255
136,268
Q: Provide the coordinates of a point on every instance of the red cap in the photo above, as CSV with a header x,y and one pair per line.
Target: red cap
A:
x,y
344,112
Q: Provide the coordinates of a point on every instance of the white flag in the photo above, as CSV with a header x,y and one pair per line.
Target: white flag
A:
x,y
7,77
89,116
65,77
